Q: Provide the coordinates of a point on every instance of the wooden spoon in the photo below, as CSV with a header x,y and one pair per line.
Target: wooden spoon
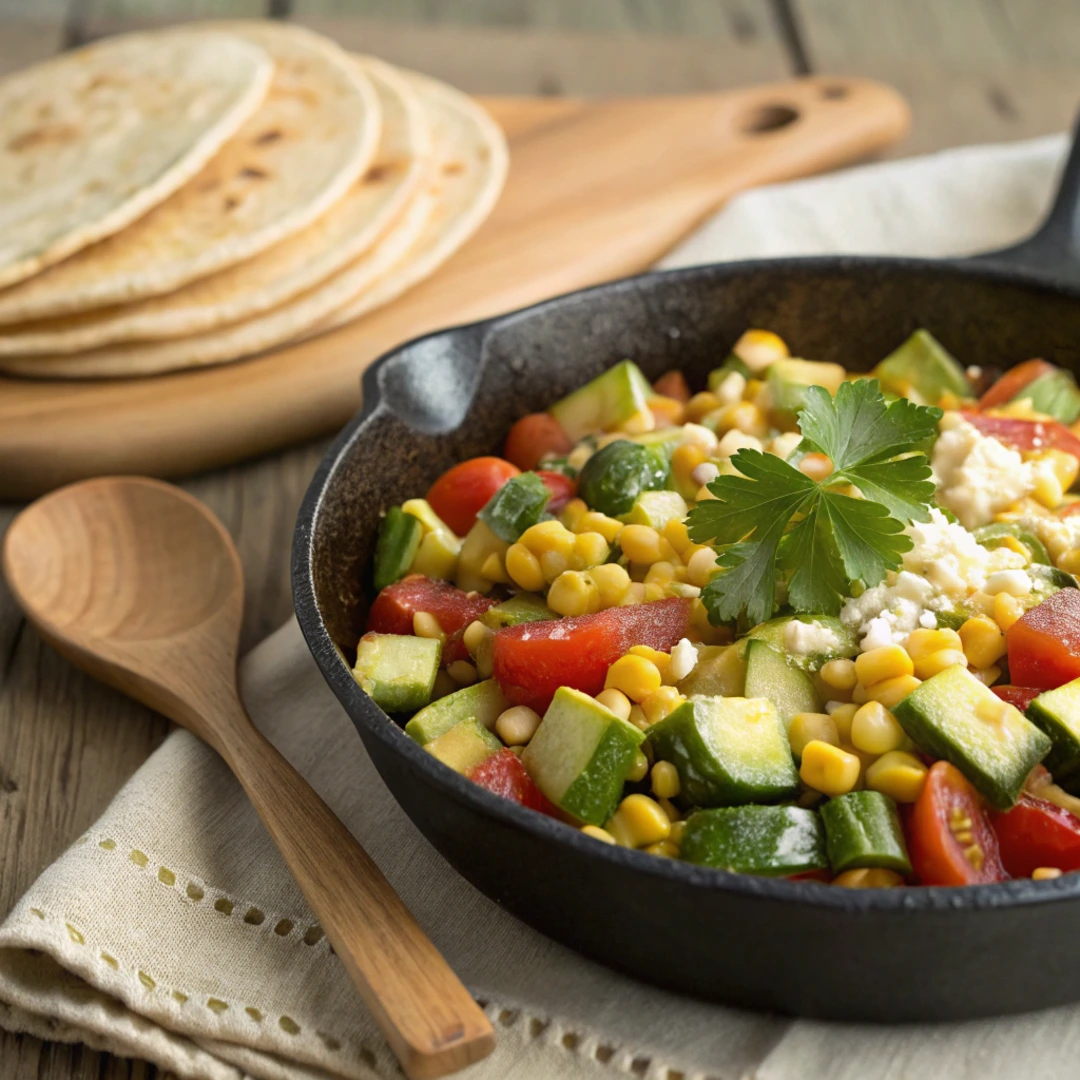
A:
x,y
137,583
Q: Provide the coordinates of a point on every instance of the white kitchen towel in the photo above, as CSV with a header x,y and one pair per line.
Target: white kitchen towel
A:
x,y
172,931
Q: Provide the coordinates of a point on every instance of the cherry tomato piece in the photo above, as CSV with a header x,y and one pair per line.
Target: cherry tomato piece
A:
x,y
1020,696
1044,644
1068,509
463,491
949,837
394,608
1025,434
503,774
532,660
562,488
672,384
1008,387
1037,833
533,437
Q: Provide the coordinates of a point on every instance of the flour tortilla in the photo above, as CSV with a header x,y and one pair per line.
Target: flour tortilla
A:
x,y
312,137
402,163
470,168
93,139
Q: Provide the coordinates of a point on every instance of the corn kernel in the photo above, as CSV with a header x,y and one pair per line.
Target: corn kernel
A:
x,y
1045,873
745,417
639,822
868,877
678,829
598,834
667,411
573,512
578,456
637,718
1070,561
437,555
926,667
574,593
462,672
987,675
425,625
665,780
701,567
701,405
982,641
877,665
890,692
1051,475
475,635
922,642
676,534
594,521
875,729
548,536
665,849
654,591
635,676
843,716
640,768
829,769
898,774
639,423
635,594
553,563
817,466
494,569
662,660
839,674
612,582
859,696
641,544
732,443
616,701
1006,610
660,573
661,703
685,459
517,725
524,568
757,349
806,727
590,549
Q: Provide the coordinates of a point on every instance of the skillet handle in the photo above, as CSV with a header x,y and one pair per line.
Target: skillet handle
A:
x,y
1054,250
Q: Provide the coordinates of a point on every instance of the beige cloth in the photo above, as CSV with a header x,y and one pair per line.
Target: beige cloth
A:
x,y
172,931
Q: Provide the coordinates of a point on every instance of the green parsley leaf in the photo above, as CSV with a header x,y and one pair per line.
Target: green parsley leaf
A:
x,y
772,517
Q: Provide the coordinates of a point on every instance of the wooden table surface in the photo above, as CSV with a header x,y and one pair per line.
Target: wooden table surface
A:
x,y
973,70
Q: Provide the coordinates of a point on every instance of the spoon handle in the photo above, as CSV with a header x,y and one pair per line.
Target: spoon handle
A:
x,y
428,1017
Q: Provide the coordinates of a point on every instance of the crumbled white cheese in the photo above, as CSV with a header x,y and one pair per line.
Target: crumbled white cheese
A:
x,y
684,658
887,613
951,559
976,475
736,440
806,639
1013,582
700,436
705,473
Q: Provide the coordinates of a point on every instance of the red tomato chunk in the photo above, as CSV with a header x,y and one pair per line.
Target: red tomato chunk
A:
x,y
562,488
1020,696
1025,434
1037,833
395,606
533,660
949,838
1044,645
503,774
1012,382
463,491
533,437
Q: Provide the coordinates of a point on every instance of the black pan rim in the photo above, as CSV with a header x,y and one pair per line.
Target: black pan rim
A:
x,y
1015,893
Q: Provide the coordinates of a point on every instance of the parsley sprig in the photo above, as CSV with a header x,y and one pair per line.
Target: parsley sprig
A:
x,y
773,518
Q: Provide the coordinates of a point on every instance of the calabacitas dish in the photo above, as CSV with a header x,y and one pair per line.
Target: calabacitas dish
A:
x,y
744,938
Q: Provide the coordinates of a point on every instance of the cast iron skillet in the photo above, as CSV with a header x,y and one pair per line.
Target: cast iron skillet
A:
x,y
885,955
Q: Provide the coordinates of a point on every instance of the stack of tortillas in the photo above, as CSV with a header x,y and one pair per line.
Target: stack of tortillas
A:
x,y
197,195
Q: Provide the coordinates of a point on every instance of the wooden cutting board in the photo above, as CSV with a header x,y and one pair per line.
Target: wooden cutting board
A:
x,y
597,190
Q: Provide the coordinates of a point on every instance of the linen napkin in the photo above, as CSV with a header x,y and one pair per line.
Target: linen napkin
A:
x,y
172,930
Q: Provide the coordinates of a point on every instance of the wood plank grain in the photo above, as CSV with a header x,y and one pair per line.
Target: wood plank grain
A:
x,y
973,70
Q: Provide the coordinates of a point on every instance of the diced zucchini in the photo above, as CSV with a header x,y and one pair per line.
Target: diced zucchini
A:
x,y
1053,394
657,508
464,746
616,475
727,751
769,840
863,828
774,633
788,380
421,510
1057,712
769,675
993,536
719,672
955,717
477,547
922,369
397,670
604,404
437,555
581,754
524,607
482,701
399,537
516,506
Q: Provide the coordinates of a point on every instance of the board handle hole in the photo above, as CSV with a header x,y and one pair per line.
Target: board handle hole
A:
x,y
770,118
834,92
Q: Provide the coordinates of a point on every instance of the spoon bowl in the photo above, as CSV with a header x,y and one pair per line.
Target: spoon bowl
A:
x,y
137,583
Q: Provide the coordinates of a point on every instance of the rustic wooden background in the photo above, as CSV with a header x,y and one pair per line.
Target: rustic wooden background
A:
x,y
973,70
